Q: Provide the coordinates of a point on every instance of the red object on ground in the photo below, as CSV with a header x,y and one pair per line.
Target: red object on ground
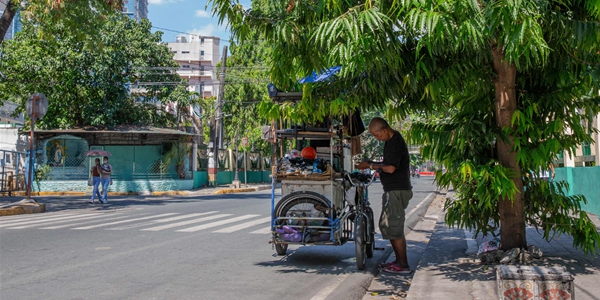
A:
x,y
308,153
423,173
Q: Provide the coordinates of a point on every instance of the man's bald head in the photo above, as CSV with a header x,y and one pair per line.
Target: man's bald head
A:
x,y
380,129
377,124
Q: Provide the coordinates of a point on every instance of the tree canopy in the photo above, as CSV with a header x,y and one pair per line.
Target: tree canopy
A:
x,y
515,82
91,85
80,17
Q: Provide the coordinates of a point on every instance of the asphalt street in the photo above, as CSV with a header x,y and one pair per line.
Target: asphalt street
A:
x,y
204,247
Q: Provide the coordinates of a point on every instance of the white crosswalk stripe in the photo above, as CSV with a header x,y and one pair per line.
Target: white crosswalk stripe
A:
x,y
37,221
161,221
218,223
87,222
179,224
11,219
123,221
262,231
83,217
243,225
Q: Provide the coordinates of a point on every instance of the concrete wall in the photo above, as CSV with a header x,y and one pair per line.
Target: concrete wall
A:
x,y
128,186
583,181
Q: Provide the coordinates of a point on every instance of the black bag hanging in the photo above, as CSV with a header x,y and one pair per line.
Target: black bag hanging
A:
x,y
354,124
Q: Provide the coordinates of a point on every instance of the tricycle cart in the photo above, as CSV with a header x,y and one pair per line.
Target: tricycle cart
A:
x,y
322,203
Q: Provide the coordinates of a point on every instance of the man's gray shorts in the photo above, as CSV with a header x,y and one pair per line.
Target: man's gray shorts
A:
x,y
391,221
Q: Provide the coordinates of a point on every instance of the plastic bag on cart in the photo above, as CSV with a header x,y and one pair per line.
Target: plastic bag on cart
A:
x,y
351,196
289,234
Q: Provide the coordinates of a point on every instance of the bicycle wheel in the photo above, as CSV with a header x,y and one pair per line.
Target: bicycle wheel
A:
x,y
302,204
281,249
359,241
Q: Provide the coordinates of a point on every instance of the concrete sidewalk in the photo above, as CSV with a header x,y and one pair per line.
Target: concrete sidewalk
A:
x,y
449,269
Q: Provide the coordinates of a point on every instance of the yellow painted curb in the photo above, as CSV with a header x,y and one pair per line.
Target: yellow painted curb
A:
x,y
231,191
50,194
23,209
170,193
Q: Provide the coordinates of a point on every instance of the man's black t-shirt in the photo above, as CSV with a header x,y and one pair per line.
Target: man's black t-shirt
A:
x,y
395,153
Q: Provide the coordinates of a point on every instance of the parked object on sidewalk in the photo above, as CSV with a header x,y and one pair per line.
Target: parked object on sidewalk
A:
x,y
489,246
533,282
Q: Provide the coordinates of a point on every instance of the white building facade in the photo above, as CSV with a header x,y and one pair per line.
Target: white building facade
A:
x,y
198,57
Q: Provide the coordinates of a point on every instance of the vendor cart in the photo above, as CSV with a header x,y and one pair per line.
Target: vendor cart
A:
x,y
322,202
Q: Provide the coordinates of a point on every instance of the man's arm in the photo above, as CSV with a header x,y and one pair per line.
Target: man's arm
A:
x,y
375,166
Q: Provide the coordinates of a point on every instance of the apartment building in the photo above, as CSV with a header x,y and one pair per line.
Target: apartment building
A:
x,y
198,57
136,9
586,155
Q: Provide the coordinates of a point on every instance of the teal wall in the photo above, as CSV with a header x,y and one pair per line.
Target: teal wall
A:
x,y
128,186
200,179
583,181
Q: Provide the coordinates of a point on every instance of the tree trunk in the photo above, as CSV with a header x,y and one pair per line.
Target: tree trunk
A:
x,y
7,17
512,214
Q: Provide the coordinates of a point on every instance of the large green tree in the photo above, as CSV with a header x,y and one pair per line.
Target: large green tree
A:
x,y
91,85
79,16
514,78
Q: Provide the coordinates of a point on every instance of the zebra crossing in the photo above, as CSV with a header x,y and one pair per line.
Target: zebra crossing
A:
x,y
219,223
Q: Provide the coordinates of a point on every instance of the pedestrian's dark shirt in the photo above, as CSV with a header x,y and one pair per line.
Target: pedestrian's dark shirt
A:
x,y
395,153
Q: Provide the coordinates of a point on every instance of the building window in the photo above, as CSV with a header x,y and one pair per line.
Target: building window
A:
x,y
186,66
201,40
175,52
202,52
185,52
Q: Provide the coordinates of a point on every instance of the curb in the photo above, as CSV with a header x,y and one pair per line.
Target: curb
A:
x,y
234,190
29,208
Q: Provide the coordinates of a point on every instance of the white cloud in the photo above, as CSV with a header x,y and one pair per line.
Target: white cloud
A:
x,y
202,14
161,1
208,30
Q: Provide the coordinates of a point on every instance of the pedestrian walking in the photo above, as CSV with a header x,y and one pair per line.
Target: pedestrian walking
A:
x,y
394,174
95,171
106,171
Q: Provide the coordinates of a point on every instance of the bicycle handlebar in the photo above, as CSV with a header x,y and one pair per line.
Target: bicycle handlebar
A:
x,y
366,179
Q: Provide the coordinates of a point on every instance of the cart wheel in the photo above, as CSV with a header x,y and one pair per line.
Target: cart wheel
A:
x,y
359,241
304,199
281,248
371,243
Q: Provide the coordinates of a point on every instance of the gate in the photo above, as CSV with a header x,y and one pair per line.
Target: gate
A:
x,y
12,171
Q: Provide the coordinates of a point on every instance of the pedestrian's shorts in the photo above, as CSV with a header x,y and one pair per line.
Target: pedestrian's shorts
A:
x,y
391,221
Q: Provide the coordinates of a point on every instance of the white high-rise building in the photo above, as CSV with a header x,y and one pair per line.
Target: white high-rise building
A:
x,y
198,57
136,9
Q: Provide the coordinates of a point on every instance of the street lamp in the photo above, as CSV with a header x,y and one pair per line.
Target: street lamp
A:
x,y
36,106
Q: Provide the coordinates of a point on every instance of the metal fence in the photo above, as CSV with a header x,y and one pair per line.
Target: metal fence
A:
x,y
12,171
68,161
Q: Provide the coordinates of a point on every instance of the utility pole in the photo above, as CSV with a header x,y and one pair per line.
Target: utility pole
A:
x,y
218,139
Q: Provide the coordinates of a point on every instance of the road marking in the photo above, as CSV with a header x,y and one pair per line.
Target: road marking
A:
x,y
83,223
29,217
243,225
329,289
123,221
262,231
419,205
84,217
42,221
157,228
214,224
161,221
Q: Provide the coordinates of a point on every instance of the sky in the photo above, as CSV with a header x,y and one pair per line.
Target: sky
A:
x,y
186,16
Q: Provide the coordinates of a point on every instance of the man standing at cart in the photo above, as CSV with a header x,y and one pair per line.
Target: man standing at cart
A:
x,y
394,173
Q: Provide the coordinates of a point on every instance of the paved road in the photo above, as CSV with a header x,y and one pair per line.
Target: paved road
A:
x,y
209,247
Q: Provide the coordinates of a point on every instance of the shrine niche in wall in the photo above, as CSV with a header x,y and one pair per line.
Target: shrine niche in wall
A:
x,y
65,151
